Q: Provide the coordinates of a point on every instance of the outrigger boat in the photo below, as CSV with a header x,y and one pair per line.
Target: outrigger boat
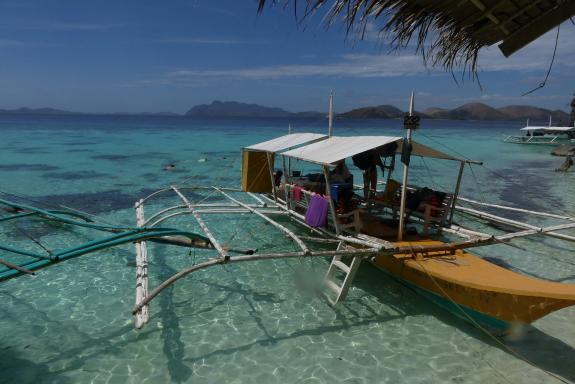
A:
x,y
444,272
543,135
312,211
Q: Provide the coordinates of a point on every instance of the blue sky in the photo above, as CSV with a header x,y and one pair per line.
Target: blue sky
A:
x,y
149,55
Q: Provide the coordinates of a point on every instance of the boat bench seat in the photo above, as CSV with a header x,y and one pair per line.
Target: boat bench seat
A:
x,y
430,214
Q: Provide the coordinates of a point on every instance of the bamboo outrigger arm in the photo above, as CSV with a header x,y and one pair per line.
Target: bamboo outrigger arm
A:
x,y
504,207
532,229
223,253
367,248
237,259
409,251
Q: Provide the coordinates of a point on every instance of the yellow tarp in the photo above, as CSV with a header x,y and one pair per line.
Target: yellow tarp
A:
x,y
255,172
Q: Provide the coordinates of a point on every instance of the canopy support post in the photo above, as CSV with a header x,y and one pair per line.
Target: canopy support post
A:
x,y
407,148
271,171
286,190
456,192
331,204
403,193
330,126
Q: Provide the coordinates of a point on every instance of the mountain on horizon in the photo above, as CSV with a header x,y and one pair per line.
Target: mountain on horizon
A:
x,y
59,112
379,112
469,111
36,111
236,109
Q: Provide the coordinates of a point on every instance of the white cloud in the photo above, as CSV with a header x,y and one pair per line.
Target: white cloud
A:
x,y
78,26
347,66
535,56
533,59
202,40
21,43
500,99
13,43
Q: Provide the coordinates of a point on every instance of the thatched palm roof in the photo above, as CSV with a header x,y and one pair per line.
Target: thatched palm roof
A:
x,y
448,33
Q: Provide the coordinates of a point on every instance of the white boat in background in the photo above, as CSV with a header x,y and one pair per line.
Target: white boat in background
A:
x,y
543,135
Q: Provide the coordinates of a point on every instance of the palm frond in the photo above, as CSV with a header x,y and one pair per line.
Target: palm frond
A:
x,y
437,34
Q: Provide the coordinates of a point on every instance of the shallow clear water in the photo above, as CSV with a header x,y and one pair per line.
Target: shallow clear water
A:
x,y
253,323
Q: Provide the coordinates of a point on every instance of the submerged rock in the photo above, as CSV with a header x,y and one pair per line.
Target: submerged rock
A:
x,y
564,150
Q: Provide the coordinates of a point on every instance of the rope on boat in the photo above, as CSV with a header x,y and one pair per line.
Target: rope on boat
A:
x,y
485,331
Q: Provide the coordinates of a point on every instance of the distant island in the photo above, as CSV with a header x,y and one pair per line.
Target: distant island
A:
x,y
234,109
36,111
60,112
469,111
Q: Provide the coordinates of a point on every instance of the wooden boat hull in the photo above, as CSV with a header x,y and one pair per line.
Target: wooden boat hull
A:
x,y
477,290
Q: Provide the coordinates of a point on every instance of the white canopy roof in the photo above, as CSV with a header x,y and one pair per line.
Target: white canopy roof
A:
x,y
556,129
336,148
286,142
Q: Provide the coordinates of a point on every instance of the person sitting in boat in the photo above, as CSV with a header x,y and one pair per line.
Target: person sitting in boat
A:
x,y
278,177
340,174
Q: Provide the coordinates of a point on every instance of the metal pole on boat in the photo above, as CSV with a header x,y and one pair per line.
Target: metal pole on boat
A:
x,y
287,175
410,122
289,159
331,203
271,158
330,125
456,192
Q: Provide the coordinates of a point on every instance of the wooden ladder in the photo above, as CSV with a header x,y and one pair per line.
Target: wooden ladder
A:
x,y
349,271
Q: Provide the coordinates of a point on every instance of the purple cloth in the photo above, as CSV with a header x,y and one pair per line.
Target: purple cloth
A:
x,y
316,215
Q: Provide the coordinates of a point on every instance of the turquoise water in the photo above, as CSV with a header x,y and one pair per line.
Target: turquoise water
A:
x,y
253,323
